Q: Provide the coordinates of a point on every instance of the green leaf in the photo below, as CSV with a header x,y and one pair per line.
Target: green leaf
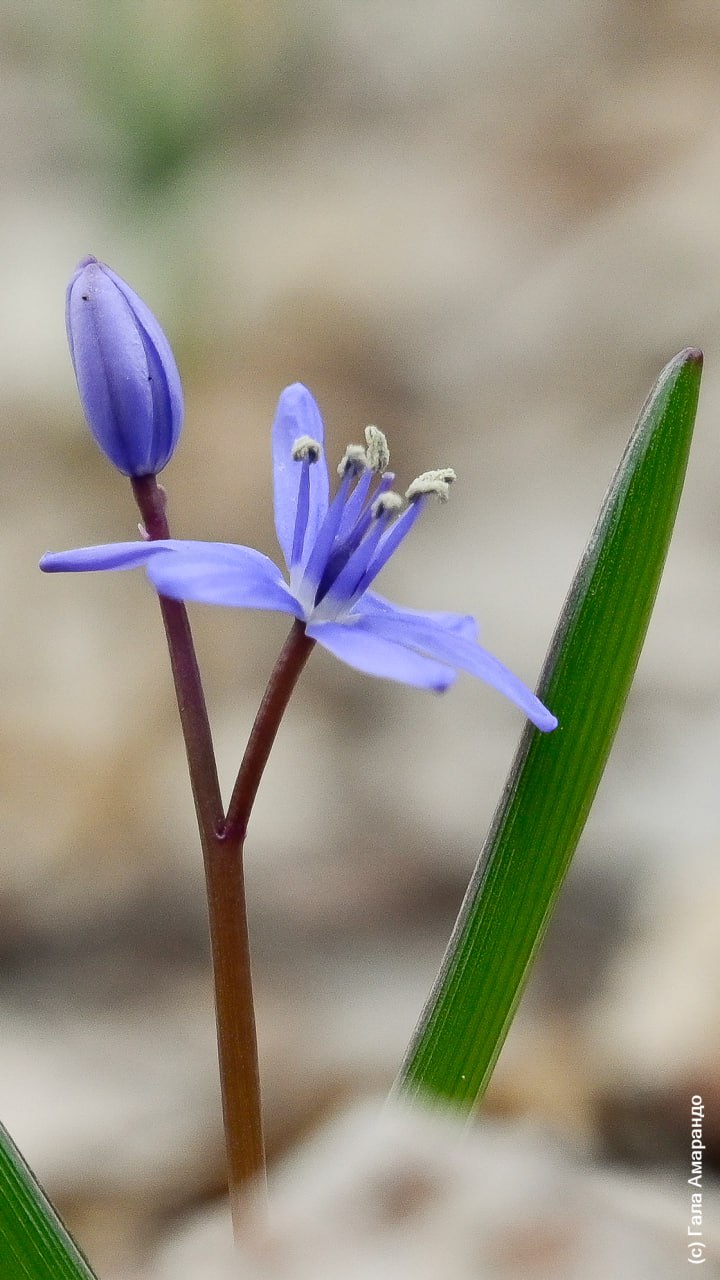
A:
x,y
554,777
34,1244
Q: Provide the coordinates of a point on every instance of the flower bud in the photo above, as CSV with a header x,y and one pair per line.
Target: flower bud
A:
x,y
126,373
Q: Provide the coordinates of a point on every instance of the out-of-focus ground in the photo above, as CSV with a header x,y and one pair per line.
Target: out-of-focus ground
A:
x,y
484,226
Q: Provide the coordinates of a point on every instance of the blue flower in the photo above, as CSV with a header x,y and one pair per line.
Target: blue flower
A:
x,y
334,550
126,373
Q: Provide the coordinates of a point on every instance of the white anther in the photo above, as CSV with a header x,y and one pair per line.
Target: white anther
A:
x,y
386,504
305,447
378,454
354,460
432,483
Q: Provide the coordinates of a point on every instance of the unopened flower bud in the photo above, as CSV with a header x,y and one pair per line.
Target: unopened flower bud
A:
x,y
126,373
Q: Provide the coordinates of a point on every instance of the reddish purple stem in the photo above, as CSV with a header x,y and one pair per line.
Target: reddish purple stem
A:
x,y
222,844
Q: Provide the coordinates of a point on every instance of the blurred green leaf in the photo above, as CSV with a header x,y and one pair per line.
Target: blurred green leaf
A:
x,y
34,1244
554,777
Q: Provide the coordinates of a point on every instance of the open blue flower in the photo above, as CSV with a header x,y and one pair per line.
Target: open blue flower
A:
x,y
334,550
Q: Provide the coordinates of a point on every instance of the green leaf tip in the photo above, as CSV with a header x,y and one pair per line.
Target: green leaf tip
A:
x,y
34,1244
554,777
689,355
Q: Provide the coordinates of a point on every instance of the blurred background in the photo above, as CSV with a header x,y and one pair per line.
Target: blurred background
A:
x,y
484,226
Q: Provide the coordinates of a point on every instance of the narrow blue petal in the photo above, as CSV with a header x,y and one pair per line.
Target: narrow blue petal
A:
x,y
297,415
115,392
377,656
164,378
114,555
222,573
448,646
371,605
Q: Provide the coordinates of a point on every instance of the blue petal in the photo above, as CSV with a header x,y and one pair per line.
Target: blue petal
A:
x,y
114,555
449,646
372,605
222,573
297,415
380,657
164,378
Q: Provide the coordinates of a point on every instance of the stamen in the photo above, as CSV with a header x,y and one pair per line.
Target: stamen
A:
x,y
353,461
355,503
378,454
394,532
320,553
386,504
340,591
358,514
434,484
357,508
303,509
305,447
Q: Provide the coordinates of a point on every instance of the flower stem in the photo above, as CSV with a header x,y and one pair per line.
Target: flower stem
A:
x,y
235,1015
222,842
150,499
225,884
286,672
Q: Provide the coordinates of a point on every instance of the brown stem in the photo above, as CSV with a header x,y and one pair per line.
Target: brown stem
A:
x,y
224,879
235,1014
186,673
237,1044
222,844
293,656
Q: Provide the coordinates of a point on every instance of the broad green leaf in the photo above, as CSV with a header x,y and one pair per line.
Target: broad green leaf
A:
x,y
554,777
34,1244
